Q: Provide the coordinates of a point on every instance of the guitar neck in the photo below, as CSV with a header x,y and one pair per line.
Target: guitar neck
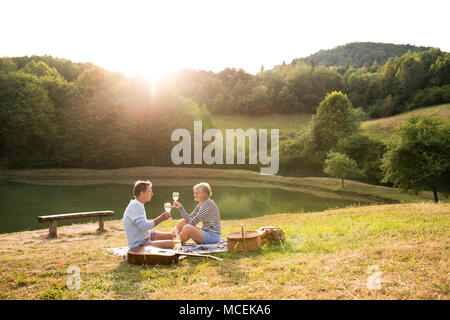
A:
x,y
198,255
157,250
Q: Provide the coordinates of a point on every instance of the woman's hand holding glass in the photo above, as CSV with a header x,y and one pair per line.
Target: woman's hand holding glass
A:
x,y
176,196
176,204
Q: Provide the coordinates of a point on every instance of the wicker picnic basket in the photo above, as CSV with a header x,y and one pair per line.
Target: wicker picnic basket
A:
x,y
252,240
243,241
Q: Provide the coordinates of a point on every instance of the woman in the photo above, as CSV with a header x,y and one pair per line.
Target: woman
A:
x,y
206,211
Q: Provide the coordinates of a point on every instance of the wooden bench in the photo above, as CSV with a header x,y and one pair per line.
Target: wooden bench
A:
x,y
71,216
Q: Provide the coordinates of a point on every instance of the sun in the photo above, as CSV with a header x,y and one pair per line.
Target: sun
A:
x,y
152,70
155,73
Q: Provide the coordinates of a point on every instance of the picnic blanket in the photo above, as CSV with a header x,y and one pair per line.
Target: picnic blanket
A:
x,y
188,247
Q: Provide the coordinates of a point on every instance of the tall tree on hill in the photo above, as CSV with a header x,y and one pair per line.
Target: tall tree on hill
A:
x,y
335,119
440,71
420,159
410,74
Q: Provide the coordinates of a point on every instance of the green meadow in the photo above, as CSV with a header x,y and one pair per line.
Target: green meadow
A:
x,y
327,255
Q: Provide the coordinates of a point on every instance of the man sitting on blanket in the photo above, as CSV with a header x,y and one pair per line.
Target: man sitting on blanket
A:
x,y
137,228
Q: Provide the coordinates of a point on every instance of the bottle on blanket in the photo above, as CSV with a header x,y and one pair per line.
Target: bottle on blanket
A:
x,y
177,244
176,241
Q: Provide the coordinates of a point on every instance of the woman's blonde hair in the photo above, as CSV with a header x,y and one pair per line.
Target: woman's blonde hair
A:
x,y
205,187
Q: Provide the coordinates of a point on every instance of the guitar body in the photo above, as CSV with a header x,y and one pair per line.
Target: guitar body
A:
x,y
153,256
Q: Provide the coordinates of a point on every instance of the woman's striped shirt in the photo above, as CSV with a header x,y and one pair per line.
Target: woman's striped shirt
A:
x,y
207,212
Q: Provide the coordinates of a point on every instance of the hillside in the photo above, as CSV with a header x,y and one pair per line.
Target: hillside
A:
x,y
383,128
358,54
291,124
328,255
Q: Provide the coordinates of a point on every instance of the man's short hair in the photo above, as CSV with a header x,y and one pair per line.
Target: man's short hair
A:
x,y
140,186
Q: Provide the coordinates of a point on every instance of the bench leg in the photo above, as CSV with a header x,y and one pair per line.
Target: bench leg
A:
x,y
52,231
101,223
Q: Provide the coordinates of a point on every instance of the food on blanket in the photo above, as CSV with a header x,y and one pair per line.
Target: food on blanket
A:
x,y
272,234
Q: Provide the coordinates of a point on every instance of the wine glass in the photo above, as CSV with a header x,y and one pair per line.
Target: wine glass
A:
x,y
175,196
168,207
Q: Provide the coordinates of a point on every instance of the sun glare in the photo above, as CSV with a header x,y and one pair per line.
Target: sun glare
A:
x,y
153,72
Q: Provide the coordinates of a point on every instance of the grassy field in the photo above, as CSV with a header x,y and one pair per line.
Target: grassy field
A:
x,y
291,124
327,255
382,128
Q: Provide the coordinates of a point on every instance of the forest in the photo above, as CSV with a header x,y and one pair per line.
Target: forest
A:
x,y
411,80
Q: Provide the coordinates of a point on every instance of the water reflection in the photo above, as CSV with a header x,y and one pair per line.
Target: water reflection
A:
x,y
21,203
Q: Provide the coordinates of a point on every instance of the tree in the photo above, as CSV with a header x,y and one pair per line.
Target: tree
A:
x,y
285,100
356,86
410,73
335,119
440,71
339,165
40,69
219,104
27,132
258,100
420,158
387,82
367,153
7,65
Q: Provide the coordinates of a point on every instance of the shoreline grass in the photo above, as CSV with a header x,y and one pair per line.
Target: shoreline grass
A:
x,y
327,256
190,176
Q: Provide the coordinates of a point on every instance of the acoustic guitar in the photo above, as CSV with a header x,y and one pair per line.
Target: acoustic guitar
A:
x,y
148,255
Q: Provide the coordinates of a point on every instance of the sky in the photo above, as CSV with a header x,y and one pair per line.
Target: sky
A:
x,y
150,38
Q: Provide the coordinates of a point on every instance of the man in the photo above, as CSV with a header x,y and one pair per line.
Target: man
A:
x,y
137,228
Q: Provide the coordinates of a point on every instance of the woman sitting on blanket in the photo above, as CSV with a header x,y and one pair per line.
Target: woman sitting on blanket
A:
x,y
206,212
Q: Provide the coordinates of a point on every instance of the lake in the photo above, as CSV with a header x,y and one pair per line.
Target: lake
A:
x,y
21,203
